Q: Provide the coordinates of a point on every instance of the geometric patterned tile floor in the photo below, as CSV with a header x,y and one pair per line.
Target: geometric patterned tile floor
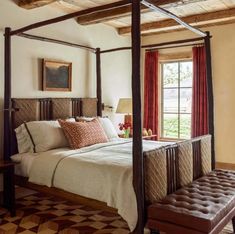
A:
x,y
45,214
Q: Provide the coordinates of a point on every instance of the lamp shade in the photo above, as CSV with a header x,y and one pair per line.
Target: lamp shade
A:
x,y
124,106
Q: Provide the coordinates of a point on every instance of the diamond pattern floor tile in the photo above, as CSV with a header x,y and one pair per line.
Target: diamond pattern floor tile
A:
x,y
43,214
40,213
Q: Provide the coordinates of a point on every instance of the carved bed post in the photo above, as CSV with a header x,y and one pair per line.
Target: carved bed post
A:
x,y
210,96
98,82
137,122
7,95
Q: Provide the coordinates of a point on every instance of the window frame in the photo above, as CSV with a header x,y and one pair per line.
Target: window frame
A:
x,y
161,102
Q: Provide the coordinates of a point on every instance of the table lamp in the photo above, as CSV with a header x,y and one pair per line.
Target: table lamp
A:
x,y
125,107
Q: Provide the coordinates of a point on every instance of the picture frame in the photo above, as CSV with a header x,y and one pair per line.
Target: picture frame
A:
x,y
57,75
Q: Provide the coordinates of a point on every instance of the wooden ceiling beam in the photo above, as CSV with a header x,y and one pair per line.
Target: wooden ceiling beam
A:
x,y
58,19
206,25
169,14
99,17
30,4
193,20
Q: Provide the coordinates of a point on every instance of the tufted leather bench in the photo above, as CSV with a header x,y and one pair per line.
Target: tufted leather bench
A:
x,y
204,206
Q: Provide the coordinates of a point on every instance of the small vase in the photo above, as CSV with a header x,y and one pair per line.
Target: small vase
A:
x,y
145,132
150,132
127,133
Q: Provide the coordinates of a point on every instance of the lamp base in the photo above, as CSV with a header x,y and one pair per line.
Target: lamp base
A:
x,y
128,119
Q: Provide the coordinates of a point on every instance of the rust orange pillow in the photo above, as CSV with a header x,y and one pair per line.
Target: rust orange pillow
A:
x,y
81,134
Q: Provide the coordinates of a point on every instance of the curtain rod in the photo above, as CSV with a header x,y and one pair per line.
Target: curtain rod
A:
x,y
50,40
174,42
171,47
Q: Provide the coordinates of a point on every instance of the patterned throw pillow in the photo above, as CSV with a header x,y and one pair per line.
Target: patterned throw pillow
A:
x,y
106,124
81,134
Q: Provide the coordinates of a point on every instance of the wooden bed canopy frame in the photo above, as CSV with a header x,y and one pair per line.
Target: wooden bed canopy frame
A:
x,y
138,172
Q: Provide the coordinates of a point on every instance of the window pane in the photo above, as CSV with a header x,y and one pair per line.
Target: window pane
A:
x,y
185,126
185,100
176,80
170,100
170,74
186,69
170,125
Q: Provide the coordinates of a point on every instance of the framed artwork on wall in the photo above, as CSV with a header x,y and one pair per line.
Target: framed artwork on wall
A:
x,y
57,76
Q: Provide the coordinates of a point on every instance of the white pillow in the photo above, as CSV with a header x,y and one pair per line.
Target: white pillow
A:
x,y
40,136
71,120
23,140
108,127
84,118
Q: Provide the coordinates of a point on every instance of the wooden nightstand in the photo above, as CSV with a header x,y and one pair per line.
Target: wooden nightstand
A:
x,y
152,137
7,169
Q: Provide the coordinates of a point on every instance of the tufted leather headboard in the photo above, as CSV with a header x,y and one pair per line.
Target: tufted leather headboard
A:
x,y
49,109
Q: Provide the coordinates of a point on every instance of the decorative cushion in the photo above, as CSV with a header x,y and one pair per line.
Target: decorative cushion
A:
x,y
40,136
206,154
185,162
106,124
155,174
81,134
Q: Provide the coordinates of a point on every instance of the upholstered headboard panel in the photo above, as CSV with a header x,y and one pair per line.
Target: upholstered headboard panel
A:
x,y
25,110
49,109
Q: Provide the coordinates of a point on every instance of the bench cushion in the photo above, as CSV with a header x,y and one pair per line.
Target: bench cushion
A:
x,y
199,206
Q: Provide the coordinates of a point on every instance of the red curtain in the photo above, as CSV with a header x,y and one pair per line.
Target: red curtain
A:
x,y
200,96
151,91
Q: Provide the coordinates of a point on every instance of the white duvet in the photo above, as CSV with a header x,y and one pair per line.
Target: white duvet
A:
x,y
102,172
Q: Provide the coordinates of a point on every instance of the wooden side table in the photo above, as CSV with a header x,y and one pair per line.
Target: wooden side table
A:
x,y
7,169
152,137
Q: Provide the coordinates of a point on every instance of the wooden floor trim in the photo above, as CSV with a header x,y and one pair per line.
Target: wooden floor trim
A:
x,y
226,166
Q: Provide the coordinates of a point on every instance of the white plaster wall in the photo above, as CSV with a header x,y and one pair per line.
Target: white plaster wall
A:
x,y
223,65
27,54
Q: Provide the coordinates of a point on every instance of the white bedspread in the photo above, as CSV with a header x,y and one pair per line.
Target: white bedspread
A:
x,y
102,172
23,162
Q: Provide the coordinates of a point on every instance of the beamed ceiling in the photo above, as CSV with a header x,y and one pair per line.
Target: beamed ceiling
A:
x,y
199,13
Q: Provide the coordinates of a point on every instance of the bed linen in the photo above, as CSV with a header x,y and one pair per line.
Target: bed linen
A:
x,y
102,172
23,163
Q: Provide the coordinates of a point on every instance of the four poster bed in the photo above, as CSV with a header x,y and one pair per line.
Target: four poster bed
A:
x,y
16,111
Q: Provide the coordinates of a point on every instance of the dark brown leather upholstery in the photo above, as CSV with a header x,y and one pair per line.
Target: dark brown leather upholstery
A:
x,y
201,206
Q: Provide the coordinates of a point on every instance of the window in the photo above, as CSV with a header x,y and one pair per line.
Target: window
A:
x,y
176,99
